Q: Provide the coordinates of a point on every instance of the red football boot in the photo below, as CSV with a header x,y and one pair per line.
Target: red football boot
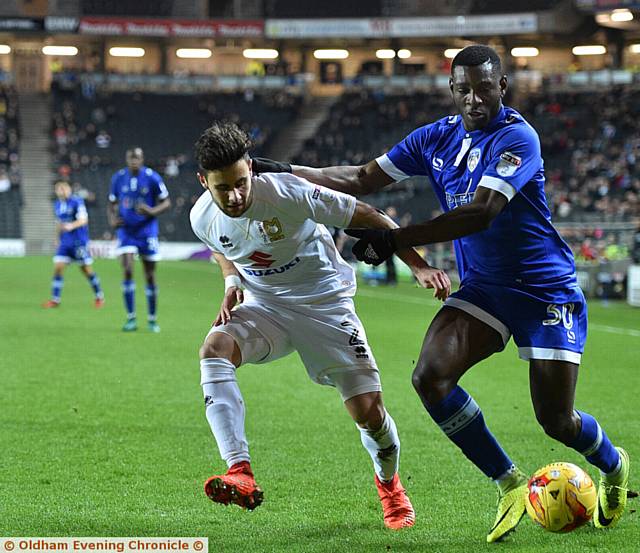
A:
x,y
49,304
236,486
396,507
99,303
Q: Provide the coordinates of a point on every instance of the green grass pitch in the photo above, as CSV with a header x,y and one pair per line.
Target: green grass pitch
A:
x,y
104,434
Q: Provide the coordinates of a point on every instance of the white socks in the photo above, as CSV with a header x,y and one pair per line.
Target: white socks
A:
x,y
383,445
224,408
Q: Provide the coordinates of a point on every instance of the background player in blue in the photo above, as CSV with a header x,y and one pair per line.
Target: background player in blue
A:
x,y
518,277
72,224
137,197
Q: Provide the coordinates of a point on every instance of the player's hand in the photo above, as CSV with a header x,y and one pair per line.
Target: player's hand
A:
x,y
266,165
117,222
66,227
374,246
144,209
436,279
232,297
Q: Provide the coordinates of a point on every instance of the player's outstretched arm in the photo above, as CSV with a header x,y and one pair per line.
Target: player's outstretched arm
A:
x,y
366,216
375,246
232,289
356,180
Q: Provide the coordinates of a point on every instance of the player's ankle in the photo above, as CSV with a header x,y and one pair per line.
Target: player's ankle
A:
x,y
510,480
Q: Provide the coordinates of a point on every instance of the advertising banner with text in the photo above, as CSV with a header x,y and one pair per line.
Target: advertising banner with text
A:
x,y
478,25
211,28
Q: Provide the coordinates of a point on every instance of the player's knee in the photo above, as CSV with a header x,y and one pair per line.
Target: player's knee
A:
x,y
429,381
218,345
558,426
371,417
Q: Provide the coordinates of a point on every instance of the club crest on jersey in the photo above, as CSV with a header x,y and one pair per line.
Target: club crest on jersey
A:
x,y
437,163
508,164
473,159
273,229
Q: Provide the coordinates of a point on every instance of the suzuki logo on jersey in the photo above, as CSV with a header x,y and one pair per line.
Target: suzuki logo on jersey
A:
x,y
472,159
261,259
437,163
274,271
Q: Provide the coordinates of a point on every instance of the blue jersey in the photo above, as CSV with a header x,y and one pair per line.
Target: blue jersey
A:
x,y
521,246
131,190
69,211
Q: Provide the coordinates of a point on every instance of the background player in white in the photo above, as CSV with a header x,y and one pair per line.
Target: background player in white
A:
x,y
268,235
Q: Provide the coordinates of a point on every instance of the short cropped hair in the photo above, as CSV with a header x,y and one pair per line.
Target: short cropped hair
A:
x,y
221,145
475,55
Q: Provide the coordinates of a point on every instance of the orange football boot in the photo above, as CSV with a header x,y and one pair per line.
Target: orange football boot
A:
x,y
236,486
49,304
99,303
396,507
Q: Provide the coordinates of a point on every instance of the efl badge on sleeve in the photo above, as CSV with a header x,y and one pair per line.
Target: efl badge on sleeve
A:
x,y
508,164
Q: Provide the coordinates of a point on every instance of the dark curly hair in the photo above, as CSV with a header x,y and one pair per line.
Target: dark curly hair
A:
x,y
221,145
477,54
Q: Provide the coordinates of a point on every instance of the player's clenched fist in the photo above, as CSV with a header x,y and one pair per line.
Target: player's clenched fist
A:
x,y
232,297
374,246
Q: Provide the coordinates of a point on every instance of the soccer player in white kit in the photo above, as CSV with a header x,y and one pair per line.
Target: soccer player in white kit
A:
x,y
286,289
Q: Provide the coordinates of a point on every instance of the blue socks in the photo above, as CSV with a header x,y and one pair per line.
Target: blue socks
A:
x,y
460,418
152,299
56,288
95,284
129,292
595,445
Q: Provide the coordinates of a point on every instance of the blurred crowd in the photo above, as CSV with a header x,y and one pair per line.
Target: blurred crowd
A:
x,y
591,145
9,139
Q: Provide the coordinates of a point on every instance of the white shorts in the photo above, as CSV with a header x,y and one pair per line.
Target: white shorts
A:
x,y
329,338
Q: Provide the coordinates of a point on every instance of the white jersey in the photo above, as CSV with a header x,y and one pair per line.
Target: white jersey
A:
x,y
280,245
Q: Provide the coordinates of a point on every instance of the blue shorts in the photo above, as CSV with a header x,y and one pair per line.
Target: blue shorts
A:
x,y
545,323
145,246
66,253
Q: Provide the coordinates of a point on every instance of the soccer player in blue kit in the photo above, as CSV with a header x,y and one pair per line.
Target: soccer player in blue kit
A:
x,y
73,244
517,278
138,195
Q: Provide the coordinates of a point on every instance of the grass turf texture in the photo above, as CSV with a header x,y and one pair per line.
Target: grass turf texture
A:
x,y
103,433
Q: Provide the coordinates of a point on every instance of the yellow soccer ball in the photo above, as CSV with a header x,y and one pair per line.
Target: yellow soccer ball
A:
x,y
561,497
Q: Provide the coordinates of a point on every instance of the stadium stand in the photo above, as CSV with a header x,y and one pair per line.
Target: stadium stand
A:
x,y
10,193
91,135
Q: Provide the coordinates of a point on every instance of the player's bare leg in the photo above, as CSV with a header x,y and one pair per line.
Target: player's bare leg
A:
x,y
454,343
56,285
151,292
380,438
553,385
129,291
94,281
219,358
